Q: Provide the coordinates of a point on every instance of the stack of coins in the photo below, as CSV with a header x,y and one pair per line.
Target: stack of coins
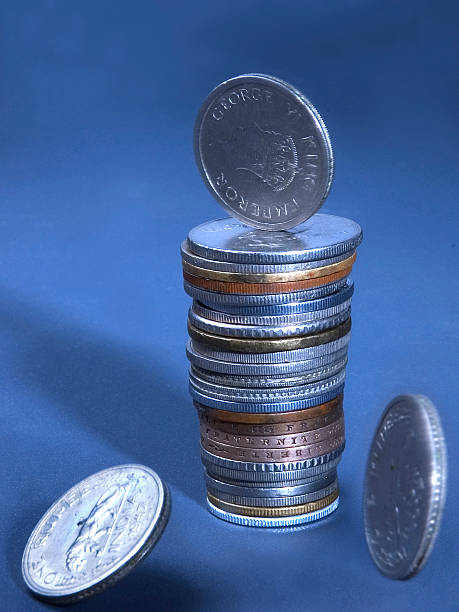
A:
x,y
269,330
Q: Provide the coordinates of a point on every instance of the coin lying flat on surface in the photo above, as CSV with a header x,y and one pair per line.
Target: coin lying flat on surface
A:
x,y
263,151
405,486
96,533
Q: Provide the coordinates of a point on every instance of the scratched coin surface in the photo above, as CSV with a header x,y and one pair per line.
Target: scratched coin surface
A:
x,y
405,486
95,533
263,151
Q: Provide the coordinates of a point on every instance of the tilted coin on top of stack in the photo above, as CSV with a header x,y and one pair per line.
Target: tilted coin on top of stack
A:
x,y
270,322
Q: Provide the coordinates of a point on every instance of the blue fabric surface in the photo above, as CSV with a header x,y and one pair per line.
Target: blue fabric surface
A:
x,y
98,189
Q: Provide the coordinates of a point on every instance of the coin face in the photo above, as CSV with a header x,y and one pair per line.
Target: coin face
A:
x,y
263,151
95,533
321,237
405,486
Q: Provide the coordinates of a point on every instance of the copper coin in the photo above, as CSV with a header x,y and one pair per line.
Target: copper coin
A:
x,y
271,429
281,277
264,288
272,455
289,440
247,418
269,345
274,512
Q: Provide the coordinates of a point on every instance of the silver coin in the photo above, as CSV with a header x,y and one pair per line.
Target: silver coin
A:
x,y
269,369
255,467
269,381
270,478
405,486
213,299
276,395
301,354
320,237
259,408
238,489
240,268
96,533
276,320
288,521
241,480
274,502
267,331
263,151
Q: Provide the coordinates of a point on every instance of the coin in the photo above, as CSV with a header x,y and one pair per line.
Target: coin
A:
x,y
320,237
266,331
332,407
309,466
269,345
273,522
295,306
211,363
405,486
96,533
284,356
266,478
273,455
264,288
261,395
325,394
261,511
270,279
269,381
273,501
217,300
263,151
224,266
290,439
270,320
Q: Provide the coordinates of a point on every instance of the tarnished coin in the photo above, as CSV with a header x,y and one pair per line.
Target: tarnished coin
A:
x,y
96,533
263,151
321,237
405,486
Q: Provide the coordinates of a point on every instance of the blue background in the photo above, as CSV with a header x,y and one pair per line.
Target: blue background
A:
x,y
98,188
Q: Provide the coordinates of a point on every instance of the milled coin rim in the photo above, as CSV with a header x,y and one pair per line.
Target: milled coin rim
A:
x,y
278,277
110,577
316,119
248,521
439,484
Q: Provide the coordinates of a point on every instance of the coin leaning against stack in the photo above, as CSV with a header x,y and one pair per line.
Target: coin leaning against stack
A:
x,y
270,322
269,329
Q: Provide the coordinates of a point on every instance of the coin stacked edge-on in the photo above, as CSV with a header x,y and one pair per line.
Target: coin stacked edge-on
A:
x,y
269,330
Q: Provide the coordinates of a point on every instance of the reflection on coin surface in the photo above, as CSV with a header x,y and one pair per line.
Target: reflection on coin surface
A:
x,y
405,486
95,533
321,237
263,151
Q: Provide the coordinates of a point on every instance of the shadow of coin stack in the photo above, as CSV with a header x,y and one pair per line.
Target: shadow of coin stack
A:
x,y
269,329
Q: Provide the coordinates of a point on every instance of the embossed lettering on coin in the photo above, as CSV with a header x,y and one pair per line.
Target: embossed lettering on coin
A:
x,y
263,151
95,533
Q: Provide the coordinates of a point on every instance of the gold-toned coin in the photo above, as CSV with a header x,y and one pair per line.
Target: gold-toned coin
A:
x,y
269,345
274,512
281,277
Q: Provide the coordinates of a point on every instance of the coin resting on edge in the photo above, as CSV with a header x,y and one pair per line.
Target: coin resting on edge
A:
x,y
95,533
405,486
263,151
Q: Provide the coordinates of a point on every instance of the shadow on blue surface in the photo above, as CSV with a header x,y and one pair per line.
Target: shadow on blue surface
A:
x,y
128,398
